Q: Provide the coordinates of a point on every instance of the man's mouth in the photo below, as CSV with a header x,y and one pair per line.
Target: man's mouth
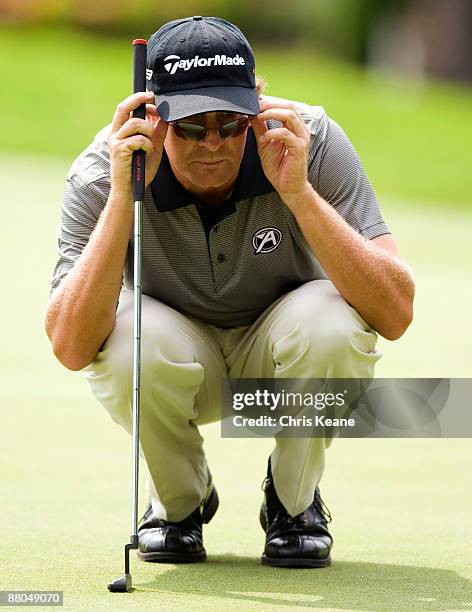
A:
x,y
210,163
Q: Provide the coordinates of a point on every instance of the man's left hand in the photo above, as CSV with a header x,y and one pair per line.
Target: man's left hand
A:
x,y
284,150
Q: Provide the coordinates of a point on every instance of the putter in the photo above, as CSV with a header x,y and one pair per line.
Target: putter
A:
x,y
125,583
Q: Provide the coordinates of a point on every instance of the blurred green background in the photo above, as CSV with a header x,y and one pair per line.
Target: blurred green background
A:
x,y
397,76
68,63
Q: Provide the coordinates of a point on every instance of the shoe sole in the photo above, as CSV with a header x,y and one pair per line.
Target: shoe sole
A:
x,y
172,557
296,562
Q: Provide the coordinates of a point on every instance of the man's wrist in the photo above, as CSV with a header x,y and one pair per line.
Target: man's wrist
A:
x,y
119,195
299,200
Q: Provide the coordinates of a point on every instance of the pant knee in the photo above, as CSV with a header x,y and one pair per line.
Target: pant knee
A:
x,y
320,326
164,339
167,361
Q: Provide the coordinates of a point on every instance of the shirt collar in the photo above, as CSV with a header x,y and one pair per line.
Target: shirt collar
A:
x,y
169,194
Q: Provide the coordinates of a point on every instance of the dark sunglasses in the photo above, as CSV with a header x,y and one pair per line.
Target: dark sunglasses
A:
x,y
192,131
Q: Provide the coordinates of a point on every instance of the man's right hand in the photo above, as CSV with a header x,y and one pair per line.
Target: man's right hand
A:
x,y
129,134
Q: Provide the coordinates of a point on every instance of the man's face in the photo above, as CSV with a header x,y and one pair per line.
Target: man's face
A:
x,y
211,164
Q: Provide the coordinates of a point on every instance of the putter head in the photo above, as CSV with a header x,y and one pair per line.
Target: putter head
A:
x,y
121,585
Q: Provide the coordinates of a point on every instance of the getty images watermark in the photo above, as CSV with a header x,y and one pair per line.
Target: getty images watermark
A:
x,y
347,407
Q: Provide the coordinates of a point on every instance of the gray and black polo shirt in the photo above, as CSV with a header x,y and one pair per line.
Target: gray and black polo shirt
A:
x,y
223,266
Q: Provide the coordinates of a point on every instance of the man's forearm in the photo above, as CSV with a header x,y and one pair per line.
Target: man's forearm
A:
x,y
81,313
377,284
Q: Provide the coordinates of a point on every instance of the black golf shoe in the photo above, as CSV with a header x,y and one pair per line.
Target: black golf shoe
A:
x,y
295,541
162,541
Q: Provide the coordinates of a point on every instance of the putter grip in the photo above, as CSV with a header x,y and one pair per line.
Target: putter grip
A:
x,y
139,84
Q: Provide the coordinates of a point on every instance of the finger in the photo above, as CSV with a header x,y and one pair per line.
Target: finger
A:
x,y
151,114
152,110
268,102
128,105
283,134
134,126
159,135
274,102
133,143
288,118
259,127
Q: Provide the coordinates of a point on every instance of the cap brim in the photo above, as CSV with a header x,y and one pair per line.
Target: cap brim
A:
x,y
175,106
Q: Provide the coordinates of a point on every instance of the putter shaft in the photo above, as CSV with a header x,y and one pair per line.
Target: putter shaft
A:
x,y
138,206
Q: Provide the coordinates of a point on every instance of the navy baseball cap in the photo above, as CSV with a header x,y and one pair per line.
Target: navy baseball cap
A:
x,y
199,65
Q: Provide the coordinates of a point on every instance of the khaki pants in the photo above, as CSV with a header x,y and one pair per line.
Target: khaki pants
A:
x,y
310,332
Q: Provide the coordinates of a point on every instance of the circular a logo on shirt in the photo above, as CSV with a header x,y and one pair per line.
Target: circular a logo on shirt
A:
x,y
266,240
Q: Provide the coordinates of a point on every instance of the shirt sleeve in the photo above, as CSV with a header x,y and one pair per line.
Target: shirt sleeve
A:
x,y
339,177
81,208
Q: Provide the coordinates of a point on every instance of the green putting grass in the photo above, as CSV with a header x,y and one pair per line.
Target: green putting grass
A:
x,y
402,520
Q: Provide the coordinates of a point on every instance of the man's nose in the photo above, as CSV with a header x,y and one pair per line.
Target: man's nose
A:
x,y
212,141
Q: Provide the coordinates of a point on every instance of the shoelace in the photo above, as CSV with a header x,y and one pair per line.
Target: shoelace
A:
x,y
319,503
322,507
145,515
158,521
265,483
